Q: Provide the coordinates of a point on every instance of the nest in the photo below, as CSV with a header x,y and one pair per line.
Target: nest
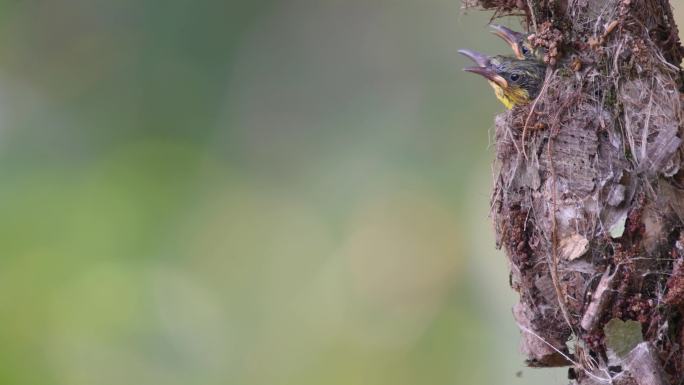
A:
x,y
588,200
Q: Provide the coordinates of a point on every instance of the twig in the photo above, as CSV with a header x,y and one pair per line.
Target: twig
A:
x,y
605,380
534,17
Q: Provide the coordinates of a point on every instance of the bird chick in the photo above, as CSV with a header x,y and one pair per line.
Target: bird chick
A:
x,y
519,43
515,82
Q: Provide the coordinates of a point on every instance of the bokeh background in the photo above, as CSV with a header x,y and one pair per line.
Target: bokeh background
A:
x,y
251,192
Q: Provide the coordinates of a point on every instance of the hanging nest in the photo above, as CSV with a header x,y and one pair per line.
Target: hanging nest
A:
x,y
588,202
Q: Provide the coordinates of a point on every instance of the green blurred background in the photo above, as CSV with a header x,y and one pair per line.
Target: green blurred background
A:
x,y
252,192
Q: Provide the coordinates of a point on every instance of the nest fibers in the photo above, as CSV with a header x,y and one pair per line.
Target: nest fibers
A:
x,y
587,200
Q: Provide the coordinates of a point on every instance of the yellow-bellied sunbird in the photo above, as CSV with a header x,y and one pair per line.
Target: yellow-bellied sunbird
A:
x,y
515,82
519,43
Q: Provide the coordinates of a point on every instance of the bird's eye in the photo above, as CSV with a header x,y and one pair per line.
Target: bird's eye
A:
x,y
524,50
515,77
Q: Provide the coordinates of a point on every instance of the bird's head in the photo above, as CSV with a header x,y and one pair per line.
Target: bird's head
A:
x,y
515,82
519,43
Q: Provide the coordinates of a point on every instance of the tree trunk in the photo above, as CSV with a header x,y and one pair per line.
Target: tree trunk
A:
x,y
589,198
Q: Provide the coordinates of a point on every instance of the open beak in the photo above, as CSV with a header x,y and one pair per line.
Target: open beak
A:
x,y
480,59
489,75
511,37
484,67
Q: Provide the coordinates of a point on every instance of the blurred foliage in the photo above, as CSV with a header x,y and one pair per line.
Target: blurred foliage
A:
x,y
248,192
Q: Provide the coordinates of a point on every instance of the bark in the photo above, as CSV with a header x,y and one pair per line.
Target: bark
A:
x,y
589,196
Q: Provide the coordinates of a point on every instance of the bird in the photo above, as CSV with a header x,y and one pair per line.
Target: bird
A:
x,y
515,82
519,42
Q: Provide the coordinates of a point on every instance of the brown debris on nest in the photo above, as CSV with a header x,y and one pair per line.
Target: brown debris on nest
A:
x,y
551,39
499,5
589,196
